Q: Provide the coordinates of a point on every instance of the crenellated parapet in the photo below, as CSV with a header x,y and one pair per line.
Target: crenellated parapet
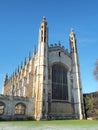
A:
x,y
57,47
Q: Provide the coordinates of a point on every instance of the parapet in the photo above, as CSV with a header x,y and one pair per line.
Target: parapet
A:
x,y
58,46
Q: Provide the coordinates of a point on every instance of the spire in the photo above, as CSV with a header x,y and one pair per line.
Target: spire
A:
x,y
25,61
43,31
44,19
29,57
72,30
18,69
72,34
6,76
5,79
34,50
21,65
15,72
73,44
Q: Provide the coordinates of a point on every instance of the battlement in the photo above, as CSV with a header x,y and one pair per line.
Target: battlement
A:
x,y
58,46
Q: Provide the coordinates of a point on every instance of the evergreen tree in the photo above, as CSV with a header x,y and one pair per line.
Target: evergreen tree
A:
x,y
88,104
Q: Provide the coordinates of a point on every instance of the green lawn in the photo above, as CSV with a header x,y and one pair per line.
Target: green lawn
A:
x,y
50,125
56,122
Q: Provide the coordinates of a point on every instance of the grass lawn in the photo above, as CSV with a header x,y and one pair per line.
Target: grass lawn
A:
x,y
50,125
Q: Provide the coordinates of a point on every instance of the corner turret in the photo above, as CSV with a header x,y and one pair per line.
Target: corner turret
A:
x,y
42,71
77,88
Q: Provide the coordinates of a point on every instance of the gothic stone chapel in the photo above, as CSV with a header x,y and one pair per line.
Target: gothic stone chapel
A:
x,y
47,86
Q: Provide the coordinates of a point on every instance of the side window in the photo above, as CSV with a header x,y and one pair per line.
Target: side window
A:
x,y
20,109
59,54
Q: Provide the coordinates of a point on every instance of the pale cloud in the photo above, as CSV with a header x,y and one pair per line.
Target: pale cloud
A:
x,y
88,41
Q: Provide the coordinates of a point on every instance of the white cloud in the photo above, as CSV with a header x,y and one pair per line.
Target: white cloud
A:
x,y
88,41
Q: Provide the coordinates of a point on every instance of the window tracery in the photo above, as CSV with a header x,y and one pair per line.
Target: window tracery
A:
x,y
59,82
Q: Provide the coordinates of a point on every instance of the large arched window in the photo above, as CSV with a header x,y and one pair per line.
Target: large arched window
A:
x,y
59,82
2,108
20,109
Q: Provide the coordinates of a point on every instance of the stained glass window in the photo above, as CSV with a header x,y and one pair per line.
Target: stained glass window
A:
x,y
59,82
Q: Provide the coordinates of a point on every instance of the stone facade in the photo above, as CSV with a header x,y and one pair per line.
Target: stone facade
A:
x,y
8,107
51,78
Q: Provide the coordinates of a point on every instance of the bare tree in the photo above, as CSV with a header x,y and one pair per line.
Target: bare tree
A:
x,y
96,70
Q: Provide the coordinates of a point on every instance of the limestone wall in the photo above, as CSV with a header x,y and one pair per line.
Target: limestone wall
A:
x,y
10,104
61,109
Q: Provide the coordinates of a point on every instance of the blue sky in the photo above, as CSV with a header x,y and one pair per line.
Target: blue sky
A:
x,y
19,25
